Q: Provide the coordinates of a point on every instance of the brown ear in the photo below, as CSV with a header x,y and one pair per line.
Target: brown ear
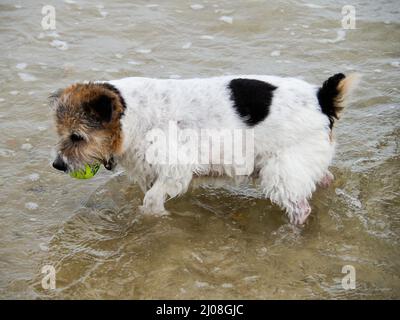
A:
x,y
100,107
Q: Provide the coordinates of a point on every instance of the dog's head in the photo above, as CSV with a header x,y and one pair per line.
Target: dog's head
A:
x,y
88,124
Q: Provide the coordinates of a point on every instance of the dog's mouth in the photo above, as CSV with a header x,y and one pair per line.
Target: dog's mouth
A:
x,y
109,164
61,165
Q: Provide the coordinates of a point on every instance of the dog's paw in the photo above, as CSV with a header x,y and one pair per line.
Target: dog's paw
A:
x,y
153,212
326,180
300,213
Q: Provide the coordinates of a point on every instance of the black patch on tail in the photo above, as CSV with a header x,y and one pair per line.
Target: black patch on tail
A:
x,y
327,95
251,99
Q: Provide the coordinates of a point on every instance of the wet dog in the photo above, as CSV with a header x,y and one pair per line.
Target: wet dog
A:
x,y
290,124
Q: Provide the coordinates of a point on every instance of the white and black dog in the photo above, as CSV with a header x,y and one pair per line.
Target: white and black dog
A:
x,y
290,120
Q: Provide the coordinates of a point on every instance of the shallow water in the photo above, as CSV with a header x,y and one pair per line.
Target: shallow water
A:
x,y
217,243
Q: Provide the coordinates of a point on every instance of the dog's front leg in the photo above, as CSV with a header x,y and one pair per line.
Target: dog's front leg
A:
x,y
169,184
153,202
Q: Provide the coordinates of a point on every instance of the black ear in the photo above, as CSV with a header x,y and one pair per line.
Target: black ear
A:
x,y
101,108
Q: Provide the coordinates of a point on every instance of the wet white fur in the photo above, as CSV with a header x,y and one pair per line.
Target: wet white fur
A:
x,y
292,145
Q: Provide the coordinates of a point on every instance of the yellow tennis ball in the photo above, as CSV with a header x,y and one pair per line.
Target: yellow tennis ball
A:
x,y
87,173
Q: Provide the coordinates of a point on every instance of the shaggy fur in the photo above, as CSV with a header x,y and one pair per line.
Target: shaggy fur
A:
x,y
291,121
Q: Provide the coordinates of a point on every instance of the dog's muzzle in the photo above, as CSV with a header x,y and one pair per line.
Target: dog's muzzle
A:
x,y
59,164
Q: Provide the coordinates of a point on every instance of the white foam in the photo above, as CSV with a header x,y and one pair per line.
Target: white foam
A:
x,y
51,34
118,55
21,65
201,284
226,19
14,92
341,36
197,6
263,250
27,76
34,177
313,6
227,285
6,153
197,257
187,45
182,290
103,13
2,99
250,278
206,37
42,128
26,146
60,45
31,205
350,199
142,50
275,53
133,62
43,247
395,64
112,70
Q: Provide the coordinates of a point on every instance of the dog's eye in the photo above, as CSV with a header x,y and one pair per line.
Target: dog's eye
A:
x,y
76,137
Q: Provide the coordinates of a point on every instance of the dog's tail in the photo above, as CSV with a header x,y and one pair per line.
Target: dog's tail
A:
x,y
333,93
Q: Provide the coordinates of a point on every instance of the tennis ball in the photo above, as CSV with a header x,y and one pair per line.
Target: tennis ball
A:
x,y
87,173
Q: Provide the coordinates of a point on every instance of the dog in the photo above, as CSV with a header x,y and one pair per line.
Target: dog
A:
x,y
290,120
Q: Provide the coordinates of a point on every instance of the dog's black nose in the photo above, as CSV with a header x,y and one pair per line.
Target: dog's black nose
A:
x,y
59,164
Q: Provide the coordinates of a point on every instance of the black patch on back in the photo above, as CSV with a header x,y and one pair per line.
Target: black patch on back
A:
x,y
327,95
251,99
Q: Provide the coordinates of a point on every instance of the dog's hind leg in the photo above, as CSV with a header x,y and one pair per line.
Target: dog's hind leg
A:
x,y
289,179
299,211
326,180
